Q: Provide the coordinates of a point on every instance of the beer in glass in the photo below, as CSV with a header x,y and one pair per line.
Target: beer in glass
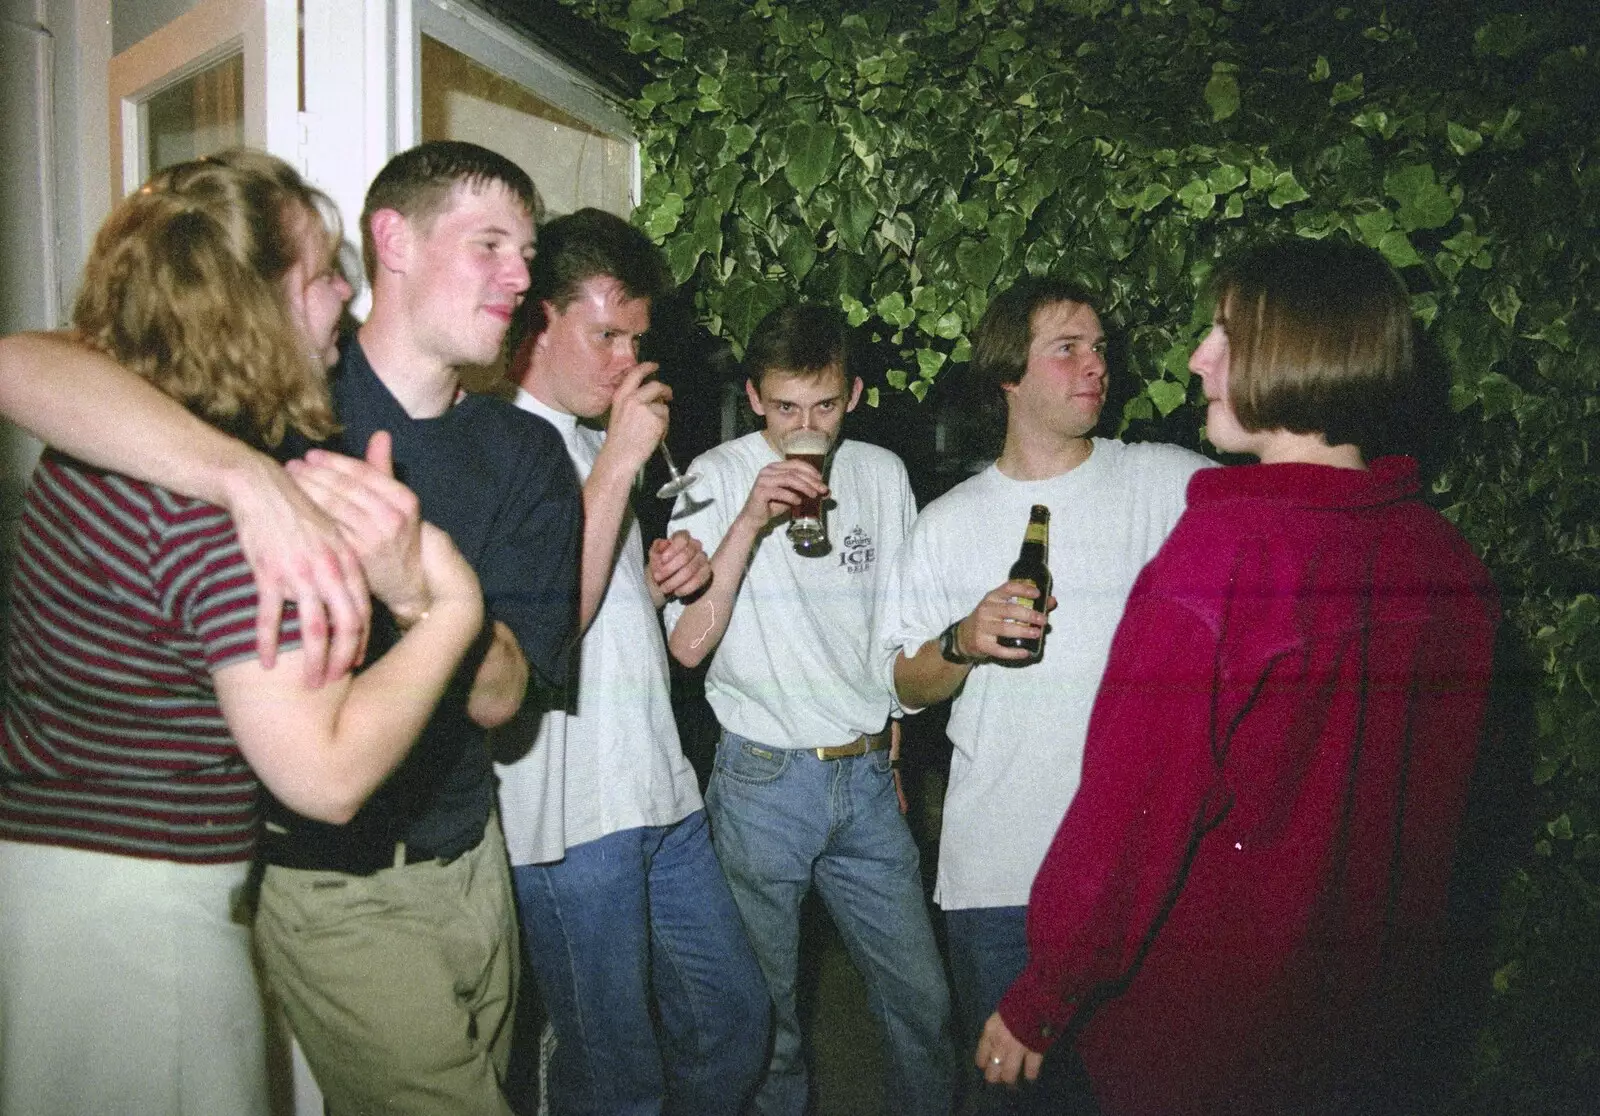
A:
x,y
808,529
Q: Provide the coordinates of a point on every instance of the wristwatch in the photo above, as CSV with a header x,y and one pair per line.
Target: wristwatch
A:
x,y
950,650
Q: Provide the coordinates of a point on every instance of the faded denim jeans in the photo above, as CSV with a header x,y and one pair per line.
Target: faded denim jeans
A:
x,y
783,819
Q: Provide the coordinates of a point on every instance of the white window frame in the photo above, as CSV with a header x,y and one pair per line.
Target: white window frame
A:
x,y
265,32
485,40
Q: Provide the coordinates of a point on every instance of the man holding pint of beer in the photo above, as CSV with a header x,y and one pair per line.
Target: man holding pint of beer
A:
x,y
803,789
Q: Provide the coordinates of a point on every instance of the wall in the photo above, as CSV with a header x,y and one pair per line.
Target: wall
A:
x,y
52,182
132,20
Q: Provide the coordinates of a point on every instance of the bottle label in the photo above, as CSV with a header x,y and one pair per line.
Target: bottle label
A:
x,y
1026,602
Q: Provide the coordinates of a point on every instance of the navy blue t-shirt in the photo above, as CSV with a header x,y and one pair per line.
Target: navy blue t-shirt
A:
x,y
499,482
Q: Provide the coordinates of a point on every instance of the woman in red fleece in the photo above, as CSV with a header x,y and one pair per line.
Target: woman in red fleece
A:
x,y
1244,905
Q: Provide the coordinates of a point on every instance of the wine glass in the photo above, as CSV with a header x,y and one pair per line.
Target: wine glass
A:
x,y
679,483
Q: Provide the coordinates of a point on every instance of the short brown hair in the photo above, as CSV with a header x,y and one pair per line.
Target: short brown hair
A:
x,y
184,288
1002,336
1320,340
1000,344
802,338
577,247
417,184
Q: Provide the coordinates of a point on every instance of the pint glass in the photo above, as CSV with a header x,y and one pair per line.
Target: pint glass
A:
x,y
808,530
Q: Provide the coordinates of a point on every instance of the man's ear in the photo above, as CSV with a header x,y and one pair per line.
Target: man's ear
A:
x,y
391,239
547,318
754,396
855,395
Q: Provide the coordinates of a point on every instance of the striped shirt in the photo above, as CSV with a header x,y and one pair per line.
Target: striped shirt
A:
x,y
125,598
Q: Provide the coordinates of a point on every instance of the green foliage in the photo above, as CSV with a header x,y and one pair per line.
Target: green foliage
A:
x,y
903,161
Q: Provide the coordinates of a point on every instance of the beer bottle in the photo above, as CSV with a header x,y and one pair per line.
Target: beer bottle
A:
x,y
1033,565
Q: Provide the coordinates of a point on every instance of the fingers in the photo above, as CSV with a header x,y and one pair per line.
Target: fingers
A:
x,y
1001,1057
334,613
269,611
999,615
349,610
297,552
802,473
638,419
638,390
679,565
379,518
314,631
782,485
380,452
634,379
894,764
350,476
369,506
354,590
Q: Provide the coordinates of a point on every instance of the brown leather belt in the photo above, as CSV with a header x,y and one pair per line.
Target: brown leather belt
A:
x,y
860,746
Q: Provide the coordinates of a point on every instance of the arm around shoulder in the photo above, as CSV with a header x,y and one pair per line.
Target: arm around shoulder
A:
x,y
85,404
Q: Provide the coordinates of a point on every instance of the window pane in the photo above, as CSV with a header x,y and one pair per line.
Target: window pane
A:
x,y
571,162
201,114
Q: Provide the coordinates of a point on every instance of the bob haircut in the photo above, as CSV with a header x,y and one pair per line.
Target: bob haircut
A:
x,y
418,182
1320,341
184,287
801,339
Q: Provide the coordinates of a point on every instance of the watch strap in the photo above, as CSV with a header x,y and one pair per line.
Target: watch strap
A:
x,y
950,650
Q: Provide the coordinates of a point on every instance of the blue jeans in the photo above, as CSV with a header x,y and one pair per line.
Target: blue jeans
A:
x,y
635,923
988,950
783,819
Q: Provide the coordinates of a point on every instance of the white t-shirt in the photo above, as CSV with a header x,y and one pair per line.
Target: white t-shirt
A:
x,y
796,668
1018,732
615,763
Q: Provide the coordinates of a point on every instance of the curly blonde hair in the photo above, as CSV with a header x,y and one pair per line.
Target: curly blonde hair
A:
x,y
185,288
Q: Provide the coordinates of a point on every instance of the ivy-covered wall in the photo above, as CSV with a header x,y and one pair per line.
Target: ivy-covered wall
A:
x,y
903,160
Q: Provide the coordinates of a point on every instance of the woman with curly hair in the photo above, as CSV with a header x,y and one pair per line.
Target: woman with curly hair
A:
x,y
1243,909
139,716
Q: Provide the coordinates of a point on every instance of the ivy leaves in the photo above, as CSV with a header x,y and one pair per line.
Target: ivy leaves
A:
x,y
1424,204
807,156
1222,91
902,162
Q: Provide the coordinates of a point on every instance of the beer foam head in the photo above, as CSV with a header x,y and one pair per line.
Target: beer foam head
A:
x,y
812,442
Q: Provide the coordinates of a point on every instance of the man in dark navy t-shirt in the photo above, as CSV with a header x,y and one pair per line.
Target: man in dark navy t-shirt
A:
x,y
390,940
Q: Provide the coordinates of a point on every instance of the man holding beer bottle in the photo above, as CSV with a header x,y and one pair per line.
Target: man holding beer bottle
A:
x,y
952,621
803,791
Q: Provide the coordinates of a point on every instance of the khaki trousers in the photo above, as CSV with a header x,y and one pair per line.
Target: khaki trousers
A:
x,y
400,985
